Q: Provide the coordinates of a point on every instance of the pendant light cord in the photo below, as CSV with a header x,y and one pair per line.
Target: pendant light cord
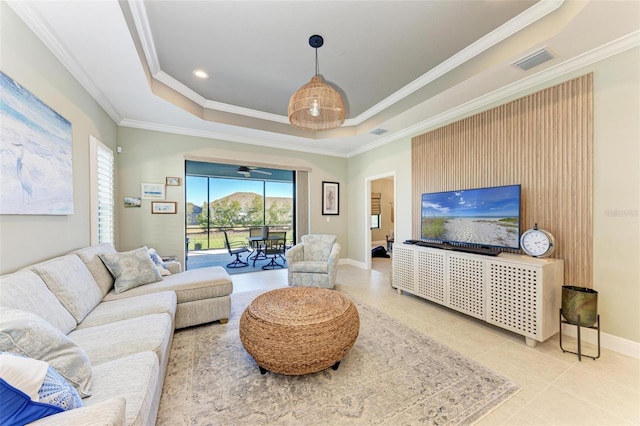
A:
x,y
317,69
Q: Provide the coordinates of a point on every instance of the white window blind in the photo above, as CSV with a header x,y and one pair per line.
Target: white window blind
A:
x,y
103,193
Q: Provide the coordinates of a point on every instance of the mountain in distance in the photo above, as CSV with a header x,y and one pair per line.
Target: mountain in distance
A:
x,y
244,198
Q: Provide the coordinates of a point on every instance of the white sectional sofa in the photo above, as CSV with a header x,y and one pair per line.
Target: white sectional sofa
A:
x,y
112,347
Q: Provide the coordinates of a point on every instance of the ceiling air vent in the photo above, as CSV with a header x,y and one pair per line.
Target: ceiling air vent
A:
x,y
533,60
378,131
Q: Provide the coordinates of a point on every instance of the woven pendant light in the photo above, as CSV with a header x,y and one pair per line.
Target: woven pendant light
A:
x,y
316,106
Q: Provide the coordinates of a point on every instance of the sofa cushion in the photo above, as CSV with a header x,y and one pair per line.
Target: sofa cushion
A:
x,y
317,246
90,257
107,412
121,338
131,307
26,291
195,284
131,269
24,333
310,266
72,283
134,377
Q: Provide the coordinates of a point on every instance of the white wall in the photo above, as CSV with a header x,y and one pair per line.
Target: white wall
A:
x,y
26,239
616,207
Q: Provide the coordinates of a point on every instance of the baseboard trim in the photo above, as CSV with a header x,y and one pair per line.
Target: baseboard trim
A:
x,y
608,341
352,262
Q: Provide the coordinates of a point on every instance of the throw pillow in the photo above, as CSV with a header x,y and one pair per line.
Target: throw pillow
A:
x,y
55,390
26,334
162,268
38,380
19,409
131,269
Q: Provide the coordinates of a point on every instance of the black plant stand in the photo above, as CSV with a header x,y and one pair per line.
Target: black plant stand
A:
x,y
593,327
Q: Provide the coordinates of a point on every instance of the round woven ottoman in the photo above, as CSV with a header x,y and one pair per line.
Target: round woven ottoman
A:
x,y
299,330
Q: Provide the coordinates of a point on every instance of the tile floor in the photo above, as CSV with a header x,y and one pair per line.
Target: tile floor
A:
x,y
556,388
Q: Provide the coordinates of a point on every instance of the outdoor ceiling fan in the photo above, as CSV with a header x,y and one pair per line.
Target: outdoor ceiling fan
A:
x,y
246,171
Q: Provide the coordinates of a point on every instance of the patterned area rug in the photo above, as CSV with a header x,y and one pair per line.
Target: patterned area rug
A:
x,y
392,375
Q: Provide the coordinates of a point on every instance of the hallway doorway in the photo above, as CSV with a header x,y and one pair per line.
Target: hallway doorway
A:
x,y
379,214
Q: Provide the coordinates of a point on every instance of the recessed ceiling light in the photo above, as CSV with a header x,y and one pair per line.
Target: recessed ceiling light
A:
x,y
200,74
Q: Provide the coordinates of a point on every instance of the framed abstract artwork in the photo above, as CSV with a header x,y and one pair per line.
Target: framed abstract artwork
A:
x,y
36,168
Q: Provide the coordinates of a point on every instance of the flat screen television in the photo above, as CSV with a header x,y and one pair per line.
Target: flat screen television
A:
x,y
481,217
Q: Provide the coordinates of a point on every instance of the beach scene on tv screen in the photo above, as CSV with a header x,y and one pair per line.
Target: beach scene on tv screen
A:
x,y
484,216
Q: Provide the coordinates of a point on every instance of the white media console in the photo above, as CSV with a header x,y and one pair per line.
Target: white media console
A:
x,y
518,293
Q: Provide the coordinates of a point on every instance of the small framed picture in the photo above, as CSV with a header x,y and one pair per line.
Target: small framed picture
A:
x,y
153,191
164,207
132,201
330,198
173,181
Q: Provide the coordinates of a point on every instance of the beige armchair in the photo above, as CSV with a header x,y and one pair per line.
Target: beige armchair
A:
x,y
314,262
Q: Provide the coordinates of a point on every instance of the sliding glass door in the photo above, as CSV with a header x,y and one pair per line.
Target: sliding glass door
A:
x,y
236,204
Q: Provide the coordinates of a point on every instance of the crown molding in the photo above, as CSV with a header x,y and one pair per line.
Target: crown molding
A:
x,y
500,95
141,21
33,20
526,18
219,106
171,82
610,49
145,125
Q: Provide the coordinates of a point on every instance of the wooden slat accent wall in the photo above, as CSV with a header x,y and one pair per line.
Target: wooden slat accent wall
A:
x,y
544,142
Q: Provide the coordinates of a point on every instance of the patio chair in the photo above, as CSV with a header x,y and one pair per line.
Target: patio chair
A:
x,y
236,248
274,248
257,237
